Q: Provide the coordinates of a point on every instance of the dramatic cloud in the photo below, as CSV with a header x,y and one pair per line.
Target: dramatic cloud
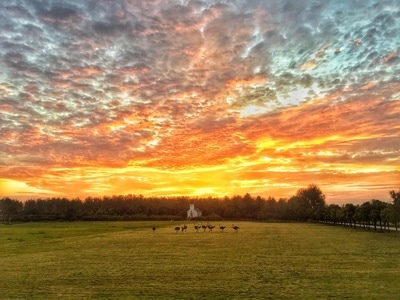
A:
x,y
199,97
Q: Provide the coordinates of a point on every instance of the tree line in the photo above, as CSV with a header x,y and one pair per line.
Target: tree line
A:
x,y
308,204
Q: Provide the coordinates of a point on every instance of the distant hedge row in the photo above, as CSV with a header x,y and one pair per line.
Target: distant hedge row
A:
x,y
308,204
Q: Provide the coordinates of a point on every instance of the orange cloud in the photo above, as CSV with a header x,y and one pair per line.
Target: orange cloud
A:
x,y
198,98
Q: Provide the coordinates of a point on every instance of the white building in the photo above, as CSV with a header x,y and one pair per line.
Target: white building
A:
x,y
193,212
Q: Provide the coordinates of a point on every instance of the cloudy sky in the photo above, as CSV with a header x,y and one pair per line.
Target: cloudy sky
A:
x,y
156,97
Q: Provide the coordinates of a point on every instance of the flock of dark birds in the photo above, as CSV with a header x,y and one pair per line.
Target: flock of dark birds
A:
x,y
207,227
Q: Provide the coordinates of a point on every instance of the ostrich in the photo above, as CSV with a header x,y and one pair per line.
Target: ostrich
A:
x,y
177,228
222,227
154,228
183,228
235,227
210,227
204,227
197,227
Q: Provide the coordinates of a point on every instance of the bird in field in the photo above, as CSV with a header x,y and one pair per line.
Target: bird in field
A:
x,y
235,227
197,227
177,228
210,227
204,227
154,228
183,228
222,227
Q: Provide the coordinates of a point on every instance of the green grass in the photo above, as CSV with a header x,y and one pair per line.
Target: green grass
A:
x,y
126,260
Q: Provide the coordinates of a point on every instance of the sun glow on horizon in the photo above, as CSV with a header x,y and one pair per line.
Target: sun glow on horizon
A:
x,y
199,98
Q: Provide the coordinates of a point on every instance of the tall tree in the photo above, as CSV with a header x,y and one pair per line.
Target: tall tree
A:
x,y
396,207
312,199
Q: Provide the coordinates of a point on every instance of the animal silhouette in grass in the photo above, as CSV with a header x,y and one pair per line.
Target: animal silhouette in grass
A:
x,y
153,228
183,228
210,227
235,227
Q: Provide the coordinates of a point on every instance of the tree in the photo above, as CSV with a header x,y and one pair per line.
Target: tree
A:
x,y
298,208
396,207
375,213
335,213
387,216
311,201
321,213
349,210
10,209
363,213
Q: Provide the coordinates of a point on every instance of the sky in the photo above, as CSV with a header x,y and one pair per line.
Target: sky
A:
x,y
200,98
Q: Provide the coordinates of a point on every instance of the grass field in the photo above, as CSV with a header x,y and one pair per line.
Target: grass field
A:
x,y
126,260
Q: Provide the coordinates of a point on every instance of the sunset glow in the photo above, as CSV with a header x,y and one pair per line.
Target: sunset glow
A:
x,y
199,98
